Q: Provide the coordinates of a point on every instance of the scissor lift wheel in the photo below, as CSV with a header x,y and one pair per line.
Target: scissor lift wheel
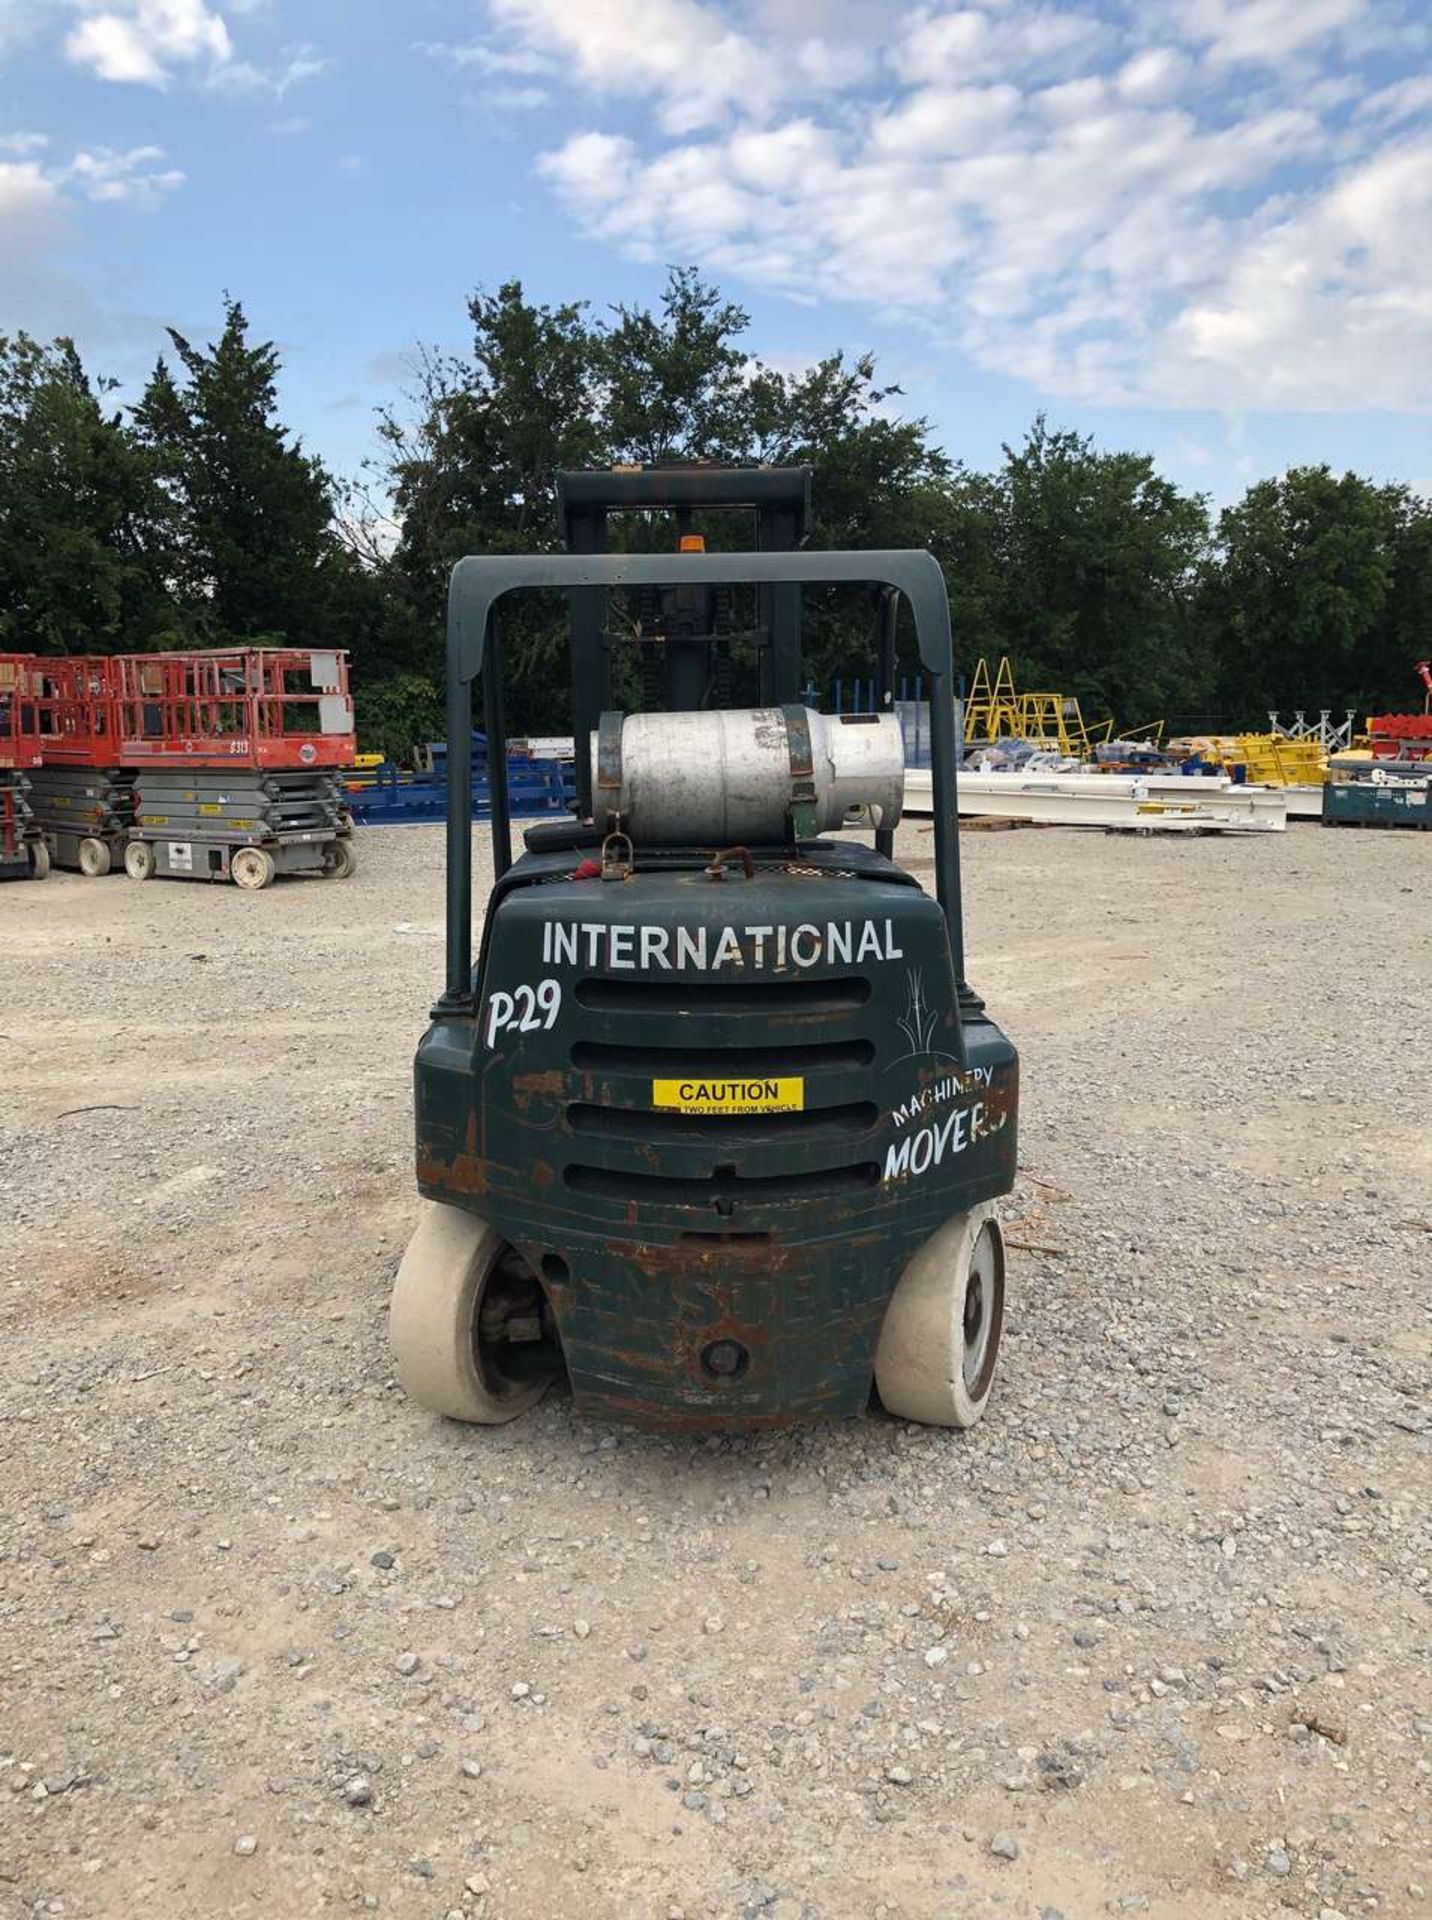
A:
x,y
341,861
139,861
93,857
938,1346
454,1266
252,868
39,859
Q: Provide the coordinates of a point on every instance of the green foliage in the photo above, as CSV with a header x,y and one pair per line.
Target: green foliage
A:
x,y
1098,559
250,513
197,518
82,562
1320,592
673,388
470,464
399,713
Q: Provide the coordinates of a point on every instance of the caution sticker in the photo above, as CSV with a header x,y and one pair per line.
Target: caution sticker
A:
x,y
729,1096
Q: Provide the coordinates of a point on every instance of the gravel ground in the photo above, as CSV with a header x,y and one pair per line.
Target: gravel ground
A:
x,y
1152,1639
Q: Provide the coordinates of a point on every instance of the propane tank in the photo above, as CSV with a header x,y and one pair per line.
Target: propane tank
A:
x,y
752,776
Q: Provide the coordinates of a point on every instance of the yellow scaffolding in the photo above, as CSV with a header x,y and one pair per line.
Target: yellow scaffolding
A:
x,y
996,710
992,708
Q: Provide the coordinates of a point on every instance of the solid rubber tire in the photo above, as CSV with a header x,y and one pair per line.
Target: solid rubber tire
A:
x,y
433,1316
919,1362
139,861
39,860
344,861
94,858
257,860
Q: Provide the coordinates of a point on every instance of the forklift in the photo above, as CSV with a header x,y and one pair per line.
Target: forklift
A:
x,y
716,1124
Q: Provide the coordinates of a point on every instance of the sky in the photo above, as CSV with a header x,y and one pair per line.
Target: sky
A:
x,y
1202,228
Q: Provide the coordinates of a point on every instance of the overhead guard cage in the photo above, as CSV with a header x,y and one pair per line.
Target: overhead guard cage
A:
x,y
474,652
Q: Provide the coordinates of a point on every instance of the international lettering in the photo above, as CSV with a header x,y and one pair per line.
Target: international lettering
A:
x,y
604,946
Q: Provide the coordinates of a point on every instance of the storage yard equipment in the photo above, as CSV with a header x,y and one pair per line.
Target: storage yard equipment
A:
x,y
716,1117
994,710
1378,793
1134,803
237,756
390,797
1404,736
1400,736
82,797
23,853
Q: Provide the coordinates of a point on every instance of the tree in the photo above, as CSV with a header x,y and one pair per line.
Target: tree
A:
x,y
1098,557
674,387
83,563
252,513
875,482
1320,588
471,468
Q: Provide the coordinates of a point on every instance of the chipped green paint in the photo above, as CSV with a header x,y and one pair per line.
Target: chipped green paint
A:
x,y
660,1233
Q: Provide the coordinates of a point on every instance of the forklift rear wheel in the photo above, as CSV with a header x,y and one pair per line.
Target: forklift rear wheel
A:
x,y
93,858
342,861
940,1341
39,859
139,860
434,1322
252,868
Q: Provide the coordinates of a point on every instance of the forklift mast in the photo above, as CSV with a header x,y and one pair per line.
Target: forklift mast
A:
x,y
685,632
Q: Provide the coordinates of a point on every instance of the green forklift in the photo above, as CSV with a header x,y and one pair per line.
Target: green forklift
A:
x,y
716,1124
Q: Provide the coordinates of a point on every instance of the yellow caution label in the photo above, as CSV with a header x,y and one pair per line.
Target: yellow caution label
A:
x,y
208,806
729,1096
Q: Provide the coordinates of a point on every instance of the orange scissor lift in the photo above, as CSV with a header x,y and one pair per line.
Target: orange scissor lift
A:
x,y
215,765
23,852
83,798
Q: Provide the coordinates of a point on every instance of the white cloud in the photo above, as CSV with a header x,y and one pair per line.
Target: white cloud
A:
x,y
947,120
140,41
295,65
151,42
981,43
486,58
685,53
1328,306
29,187
1154,75
1265,32
134,178
1404,100
1197,203
38,201
25,191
